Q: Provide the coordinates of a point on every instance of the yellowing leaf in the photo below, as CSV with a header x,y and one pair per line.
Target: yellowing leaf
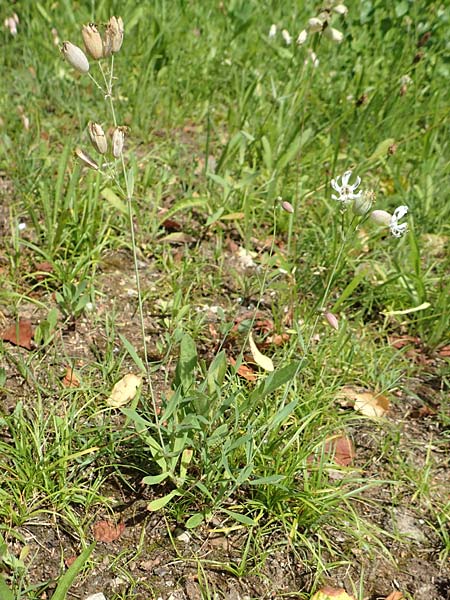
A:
x,y
262,361
330,593
124,391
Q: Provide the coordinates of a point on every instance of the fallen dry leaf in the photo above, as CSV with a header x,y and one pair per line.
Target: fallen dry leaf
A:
x,y
244,371
342,450
70,379
105,531
445,351
394,596
19,334
369,404
260,359
330,593
124,391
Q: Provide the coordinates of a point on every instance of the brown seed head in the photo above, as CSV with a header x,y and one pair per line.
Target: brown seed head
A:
x,y
92,40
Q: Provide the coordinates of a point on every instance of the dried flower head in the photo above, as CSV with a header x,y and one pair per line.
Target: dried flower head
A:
x,y
75,57
113,36
92,41
340,9
98,137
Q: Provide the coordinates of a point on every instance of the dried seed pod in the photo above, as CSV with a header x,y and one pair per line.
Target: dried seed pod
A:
x,y
86,159
118,139
98,137
75,57
113,36
92,40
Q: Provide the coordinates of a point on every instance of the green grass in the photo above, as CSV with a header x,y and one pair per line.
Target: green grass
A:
x,y
200,84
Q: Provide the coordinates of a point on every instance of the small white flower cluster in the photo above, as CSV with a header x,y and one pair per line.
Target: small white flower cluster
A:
x,y
319,24
362,202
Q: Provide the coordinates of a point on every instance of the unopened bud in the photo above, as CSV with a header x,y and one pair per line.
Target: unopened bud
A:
x,y
118,139
287,206
363,204
315,25
381,217
340,9
332,320
302,37
113,36
98,137
92,40
286,37
75,57
272,31
334,35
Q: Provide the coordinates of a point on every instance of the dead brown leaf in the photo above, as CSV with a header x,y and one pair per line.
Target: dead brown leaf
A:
x,y
124,391
342,450
106,531
394,596
244,371
19,334
70,379
331,593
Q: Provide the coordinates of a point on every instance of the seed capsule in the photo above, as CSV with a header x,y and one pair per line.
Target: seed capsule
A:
x,y
75,57
98,137
92,40
113,36
118,139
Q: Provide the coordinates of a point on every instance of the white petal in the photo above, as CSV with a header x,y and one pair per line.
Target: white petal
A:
x,y
345,177
400,212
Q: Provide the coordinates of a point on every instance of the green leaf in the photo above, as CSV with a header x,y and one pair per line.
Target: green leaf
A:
x,y
216,372
5,592
185,204
113,199
267,480
381,150
194,521
155,505
132,352
240,518
67,579
275,380
184,374
155,479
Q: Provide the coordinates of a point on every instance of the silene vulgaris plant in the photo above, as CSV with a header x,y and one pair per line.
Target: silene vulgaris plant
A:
x,y
209,436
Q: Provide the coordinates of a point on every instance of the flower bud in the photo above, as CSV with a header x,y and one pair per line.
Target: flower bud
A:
x,y
98,137
315,25
334,35
118,139
272,31
340,9
75,57
381,217
332,320
287,206
363,204
113,36
302,37
286,37
92,40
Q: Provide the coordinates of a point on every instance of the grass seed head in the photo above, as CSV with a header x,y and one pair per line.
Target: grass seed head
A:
x,y
75,57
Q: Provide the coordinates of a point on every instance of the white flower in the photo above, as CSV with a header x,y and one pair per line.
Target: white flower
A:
x,y
397,229
286,37
340,9
272,31
345,190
